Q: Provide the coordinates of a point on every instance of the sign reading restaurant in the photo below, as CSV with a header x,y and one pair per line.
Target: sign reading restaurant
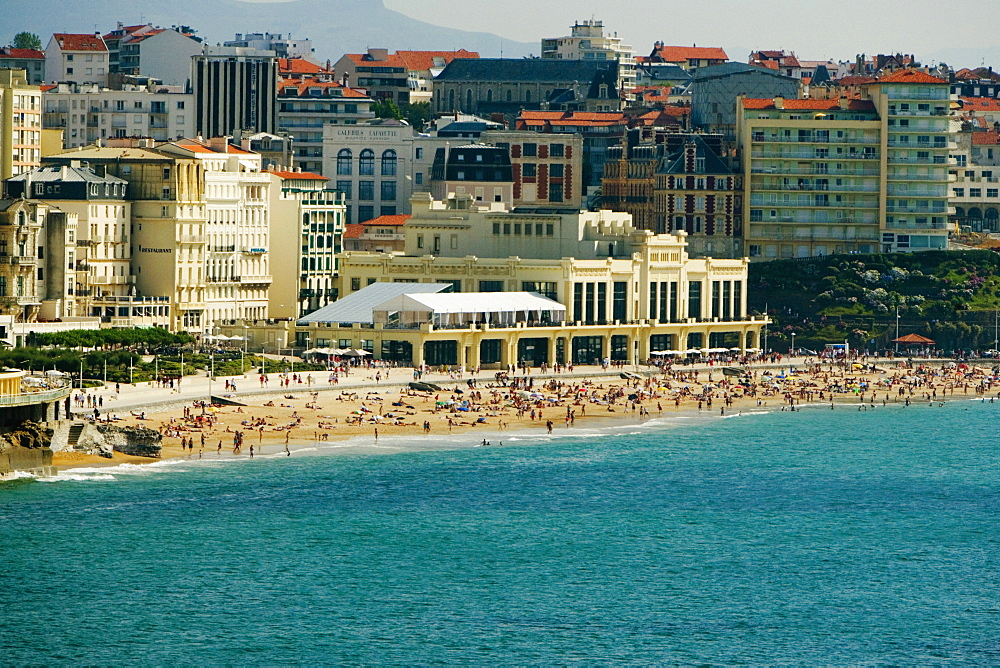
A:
x,y
146,249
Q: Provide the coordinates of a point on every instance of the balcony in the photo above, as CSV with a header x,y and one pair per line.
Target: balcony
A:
x,y
254,251
112,280
814,155
917,177
260,280
815,139
942,193
825,187
84,243
191,238
782,169
920,210
222,249
18,259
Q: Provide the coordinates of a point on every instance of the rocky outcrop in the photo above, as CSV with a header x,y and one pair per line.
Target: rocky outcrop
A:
x,y
103,439
25,448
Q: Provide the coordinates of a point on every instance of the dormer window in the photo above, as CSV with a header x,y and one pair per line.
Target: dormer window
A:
x,y
315,91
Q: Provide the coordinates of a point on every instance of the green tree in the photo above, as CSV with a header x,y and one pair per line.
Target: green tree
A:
x,y
27,40
387,109
418,114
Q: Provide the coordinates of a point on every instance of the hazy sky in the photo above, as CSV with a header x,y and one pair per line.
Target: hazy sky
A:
x,y
953,30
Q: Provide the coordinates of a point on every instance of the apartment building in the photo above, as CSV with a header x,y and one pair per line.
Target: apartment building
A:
x,y
848,175
403,76
587,41
306,105
96,263
167,231
20,124
687,57
87,113
32,61
21,228
77,58
547,168
237,269
307,230
674,182
235,90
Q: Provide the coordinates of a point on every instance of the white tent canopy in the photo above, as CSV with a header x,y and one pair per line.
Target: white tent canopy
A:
x,y
494,308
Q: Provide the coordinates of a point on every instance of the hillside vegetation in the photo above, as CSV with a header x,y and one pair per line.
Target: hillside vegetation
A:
x,y
951,297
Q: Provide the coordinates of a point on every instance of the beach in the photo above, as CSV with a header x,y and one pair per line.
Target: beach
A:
x,y
378,404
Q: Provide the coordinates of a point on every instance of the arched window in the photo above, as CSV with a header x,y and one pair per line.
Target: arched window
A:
x,y
319,241
344,161
389,163
468,101
451,100
527,96
510,95
489,94
366,163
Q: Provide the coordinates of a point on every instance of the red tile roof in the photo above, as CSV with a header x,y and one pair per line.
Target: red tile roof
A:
x,y
980,103
424,60
303,86
73,42
298,66
910,76
767,64
808,105
11,52
353,231
365,60
47,87
965,74
388,220
196,146
674,54
985,138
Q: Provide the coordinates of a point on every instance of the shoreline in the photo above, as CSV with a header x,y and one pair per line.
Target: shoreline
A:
x,y
361,407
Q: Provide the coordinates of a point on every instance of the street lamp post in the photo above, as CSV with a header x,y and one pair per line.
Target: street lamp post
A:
x,y
792,350
897,328
130,368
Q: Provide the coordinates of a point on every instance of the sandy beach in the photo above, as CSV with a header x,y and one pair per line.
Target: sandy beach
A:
x,y
380,408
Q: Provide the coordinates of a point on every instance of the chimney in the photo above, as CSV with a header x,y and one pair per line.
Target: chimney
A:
x,y
219,144
844,103
779,103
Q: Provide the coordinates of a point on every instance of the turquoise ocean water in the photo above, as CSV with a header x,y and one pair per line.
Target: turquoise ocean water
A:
x,y
816,537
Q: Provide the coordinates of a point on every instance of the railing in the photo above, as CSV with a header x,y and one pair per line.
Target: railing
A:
x,y
916,177
255,279
813,155
84,243
191,238
35,397
222,249
917,210
131,299
812,139
915,226
112,280
813,172
805,187
18,259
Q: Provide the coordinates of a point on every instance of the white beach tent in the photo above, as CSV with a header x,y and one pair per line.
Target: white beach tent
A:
x,y
501,309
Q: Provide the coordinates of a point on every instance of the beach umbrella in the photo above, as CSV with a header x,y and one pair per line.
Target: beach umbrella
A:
x,y
693,351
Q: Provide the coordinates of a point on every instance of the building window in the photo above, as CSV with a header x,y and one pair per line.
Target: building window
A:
x,y
529,149
389,164
366,190
365,213
491,286
418,178
556,150
344,162
389,190
555,192
420,154
344,187
529,170
355,284
556,170
366,163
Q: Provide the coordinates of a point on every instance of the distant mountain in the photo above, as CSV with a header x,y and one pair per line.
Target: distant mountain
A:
x,y
336,27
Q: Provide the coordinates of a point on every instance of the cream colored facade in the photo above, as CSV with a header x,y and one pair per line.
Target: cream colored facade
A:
x,y
237,229
587,41
849,175
20,124
628,292
167,229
